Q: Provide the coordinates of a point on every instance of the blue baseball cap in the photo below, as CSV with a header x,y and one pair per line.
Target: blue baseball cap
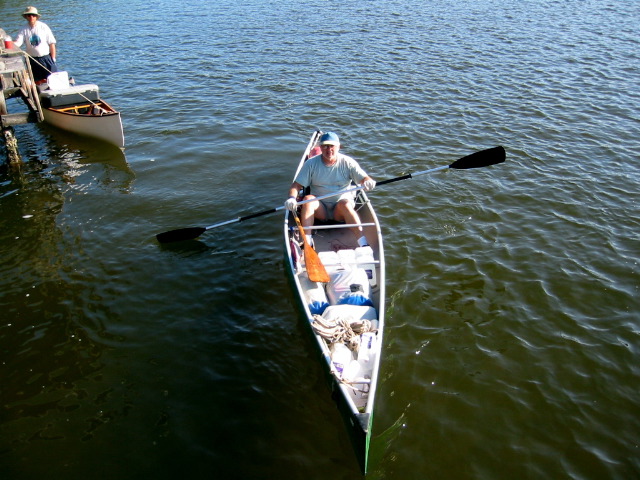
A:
x,y
329,138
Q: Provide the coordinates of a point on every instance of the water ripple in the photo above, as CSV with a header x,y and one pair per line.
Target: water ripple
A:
x,y
512,290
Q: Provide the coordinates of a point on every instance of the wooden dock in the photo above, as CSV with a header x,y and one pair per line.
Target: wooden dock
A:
x,y
16,81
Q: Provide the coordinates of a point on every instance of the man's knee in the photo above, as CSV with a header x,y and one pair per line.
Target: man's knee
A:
x,y
344,206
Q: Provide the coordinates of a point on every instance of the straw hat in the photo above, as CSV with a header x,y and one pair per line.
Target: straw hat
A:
x,y
31,11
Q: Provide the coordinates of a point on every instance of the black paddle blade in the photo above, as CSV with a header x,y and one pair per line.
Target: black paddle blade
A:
x,y
483,158
180,234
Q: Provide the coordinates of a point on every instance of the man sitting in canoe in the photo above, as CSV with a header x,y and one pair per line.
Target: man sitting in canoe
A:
x,y
328,173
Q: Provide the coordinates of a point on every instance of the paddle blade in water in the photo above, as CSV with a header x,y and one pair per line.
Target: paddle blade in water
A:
x,y
484,158
180,234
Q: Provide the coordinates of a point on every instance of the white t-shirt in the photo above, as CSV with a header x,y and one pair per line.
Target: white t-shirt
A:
x,y
324,180
36,39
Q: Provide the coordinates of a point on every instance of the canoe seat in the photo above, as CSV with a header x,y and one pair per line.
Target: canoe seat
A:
x,y
329,226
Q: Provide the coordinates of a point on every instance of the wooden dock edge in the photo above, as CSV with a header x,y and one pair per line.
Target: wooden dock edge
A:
x,y
16,81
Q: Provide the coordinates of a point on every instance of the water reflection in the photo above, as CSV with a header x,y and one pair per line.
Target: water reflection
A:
x,y
185,248
76,153
52,317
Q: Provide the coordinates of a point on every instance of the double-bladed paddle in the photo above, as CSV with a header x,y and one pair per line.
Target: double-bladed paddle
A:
x,y
483,158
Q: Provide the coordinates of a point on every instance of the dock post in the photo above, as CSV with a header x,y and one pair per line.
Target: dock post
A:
x,y
13,155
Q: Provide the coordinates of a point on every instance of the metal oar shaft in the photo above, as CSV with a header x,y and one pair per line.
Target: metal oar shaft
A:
x,y
484,158
275,209
322,197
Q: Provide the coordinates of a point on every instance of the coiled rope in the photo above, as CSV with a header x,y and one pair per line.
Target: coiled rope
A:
x,y
341,330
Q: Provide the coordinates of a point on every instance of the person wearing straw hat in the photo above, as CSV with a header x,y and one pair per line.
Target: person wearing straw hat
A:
x,y
40,44
327,173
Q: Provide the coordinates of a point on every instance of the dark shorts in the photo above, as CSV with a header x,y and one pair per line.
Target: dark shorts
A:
x,y
42,67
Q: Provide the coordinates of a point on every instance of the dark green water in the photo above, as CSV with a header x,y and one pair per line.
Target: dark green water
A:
x,y
512,347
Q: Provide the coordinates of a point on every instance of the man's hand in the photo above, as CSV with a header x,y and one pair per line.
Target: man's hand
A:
x,y
291,204
369,184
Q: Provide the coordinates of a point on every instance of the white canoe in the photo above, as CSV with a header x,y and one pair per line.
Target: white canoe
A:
x,y
353,376
80,110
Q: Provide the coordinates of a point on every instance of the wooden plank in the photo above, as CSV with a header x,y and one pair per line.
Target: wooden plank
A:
x,y
9,64
3,104
12,119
